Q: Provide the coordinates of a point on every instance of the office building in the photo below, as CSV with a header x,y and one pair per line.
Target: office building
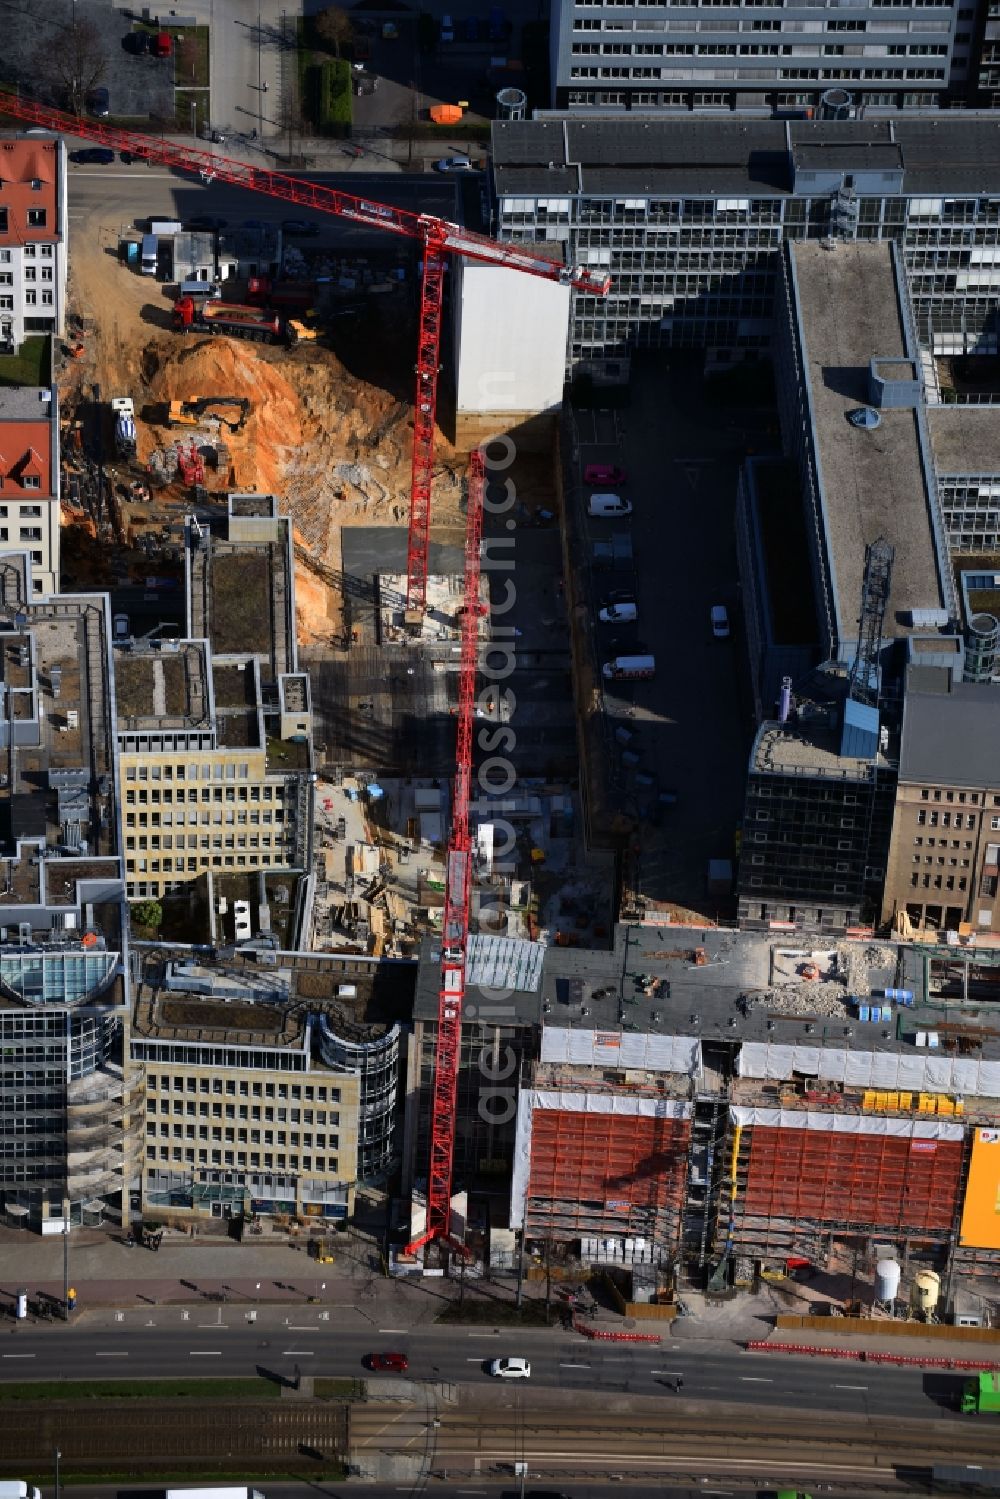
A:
x,y
33,249
215,731
69,1104
270,1083
688,217
943,861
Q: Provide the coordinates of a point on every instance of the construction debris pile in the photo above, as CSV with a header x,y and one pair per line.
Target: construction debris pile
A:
x,y
822,983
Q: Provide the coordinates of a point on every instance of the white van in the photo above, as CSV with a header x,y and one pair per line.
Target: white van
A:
x,y
620,612
629,668
149,254
608,504
241,918
165,226
11,1488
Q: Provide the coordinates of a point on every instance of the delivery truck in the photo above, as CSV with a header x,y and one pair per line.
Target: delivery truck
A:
x,y
234,319
981,1394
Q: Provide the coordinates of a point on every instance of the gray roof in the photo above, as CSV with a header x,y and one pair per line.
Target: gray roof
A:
x,y
873,482
965,439
25,403
950,731
711,155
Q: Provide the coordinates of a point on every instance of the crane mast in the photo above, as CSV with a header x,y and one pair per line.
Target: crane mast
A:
x,y
439,238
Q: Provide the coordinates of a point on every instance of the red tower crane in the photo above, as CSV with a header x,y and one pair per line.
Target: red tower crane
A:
x,y
457,889
438,237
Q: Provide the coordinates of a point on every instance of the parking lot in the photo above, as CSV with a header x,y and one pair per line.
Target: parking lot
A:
x,y
685,733
138,86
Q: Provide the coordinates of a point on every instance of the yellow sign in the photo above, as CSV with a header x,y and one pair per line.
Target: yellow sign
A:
x,y
981,1210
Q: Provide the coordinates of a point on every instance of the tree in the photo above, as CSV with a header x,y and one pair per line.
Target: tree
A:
x,y
71,62
333,27
147,913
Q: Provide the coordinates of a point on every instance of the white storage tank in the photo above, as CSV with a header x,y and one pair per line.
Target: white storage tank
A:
x,y
887,1275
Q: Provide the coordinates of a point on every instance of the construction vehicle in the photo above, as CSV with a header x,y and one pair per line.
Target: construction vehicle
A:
x,y
123,413
981,1394
437,239
231,318
190,464
281,296
188,413
298,332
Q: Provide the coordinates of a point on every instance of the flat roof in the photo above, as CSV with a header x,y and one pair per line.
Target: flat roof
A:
x,y
950,731
163,685
712,155
965,439
26,403
873,481
809,747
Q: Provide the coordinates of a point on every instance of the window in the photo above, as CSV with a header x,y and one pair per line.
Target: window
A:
x,y
36,218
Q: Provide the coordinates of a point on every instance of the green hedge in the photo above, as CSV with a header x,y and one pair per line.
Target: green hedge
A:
x,y
333,96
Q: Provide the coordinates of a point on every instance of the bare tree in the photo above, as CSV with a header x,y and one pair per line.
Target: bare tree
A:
x,y
71,62
333,27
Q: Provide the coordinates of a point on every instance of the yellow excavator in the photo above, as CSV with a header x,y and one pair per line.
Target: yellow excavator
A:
x,y
189,413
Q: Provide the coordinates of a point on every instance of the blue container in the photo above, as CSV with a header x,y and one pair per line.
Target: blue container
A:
x,y
876,1014
863,1012
902,996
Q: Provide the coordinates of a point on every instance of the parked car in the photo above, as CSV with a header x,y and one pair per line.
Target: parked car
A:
x,y
388,1363
241,918
720,622
510,1368
162,44
603,473
622,612
98,156
447,29
303,228
127,158
99,102
136,42
454,164
121,626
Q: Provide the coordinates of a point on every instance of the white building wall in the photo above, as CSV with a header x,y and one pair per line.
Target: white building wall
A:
x,y
510,339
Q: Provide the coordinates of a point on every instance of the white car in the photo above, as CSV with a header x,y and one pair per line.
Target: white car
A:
x,y
454,164
621,612
720,622
510,1368
241,918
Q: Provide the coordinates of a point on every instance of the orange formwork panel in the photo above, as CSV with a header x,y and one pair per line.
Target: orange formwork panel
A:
x,y
850,1181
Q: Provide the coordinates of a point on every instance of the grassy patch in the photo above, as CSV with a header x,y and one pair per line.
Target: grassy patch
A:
x,y
190,56
183,99
324,83
129,1389
31,365
338,1389
482,1313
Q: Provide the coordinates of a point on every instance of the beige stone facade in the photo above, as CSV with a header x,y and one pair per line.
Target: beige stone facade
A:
x,y
943,858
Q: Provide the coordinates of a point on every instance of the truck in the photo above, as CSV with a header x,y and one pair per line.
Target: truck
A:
x,y
232,318
165,226
216,1493
980,1394
283,296
123,413
629,668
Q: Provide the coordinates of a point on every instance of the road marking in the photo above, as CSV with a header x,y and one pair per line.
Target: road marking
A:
x,y
111,1355
18,1355
222,1326
850,1387
754,1379
204,1352
574,1366
670,1373
473,1360
309,1327
298,1353
394,1329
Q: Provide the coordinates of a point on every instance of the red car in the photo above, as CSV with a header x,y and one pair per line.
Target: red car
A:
x,y
388,1363
603,473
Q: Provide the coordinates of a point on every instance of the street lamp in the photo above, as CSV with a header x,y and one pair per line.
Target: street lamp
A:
x,y
194,118
57,1454
65,1275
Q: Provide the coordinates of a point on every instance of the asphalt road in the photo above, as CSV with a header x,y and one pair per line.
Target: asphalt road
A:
x,y
163,1342
507,1490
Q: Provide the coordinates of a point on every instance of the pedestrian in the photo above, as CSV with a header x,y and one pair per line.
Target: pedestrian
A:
x,y
265,85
